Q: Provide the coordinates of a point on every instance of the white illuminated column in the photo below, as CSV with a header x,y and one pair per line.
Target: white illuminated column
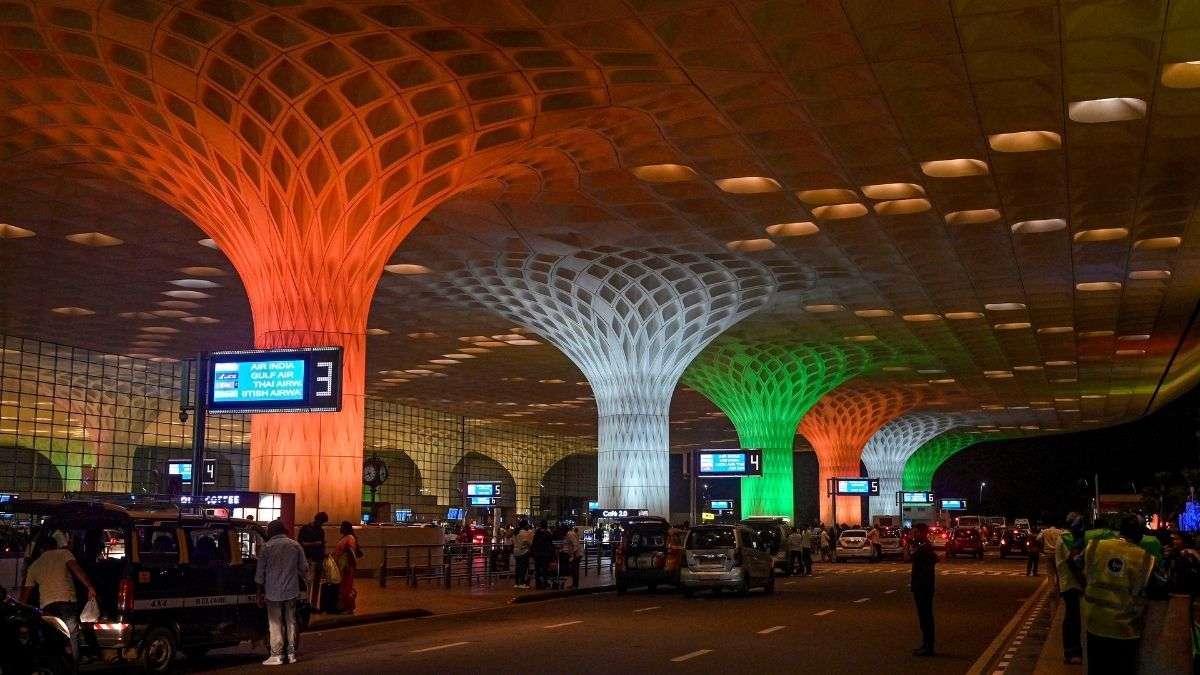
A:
x,y
886,453
631,320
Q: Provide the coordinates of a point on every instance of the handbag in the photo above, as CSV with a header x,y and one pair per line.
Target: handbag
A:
x,y
90,612
333,571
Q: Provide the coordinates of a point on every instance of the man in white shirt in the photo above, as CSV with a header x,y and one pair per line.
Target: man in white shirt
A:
x,y
52,573
521,545
574,550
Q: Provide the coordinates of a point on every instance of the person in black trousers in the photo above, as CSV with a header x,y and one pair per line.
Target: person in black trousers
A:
x,y
924,558
1033,552
543,551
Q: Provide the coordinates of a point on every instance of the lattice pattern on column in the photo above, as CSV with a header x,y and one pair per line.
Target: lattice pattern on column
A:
x,y
920,467
838,427
631,320
765,388
886,453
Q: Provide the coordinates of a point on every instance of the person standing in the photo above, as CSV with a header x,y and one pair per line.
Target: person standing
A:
x,y
52,574
924,559
1033,552
795,542
876,547
347,553
1070,588
522,542
1116,572
825,552
542,549
312,540
574,547
282,563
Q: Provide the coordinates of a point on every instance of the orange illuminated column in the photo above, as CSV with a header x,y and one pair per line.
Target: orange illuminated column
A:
x,y
838,427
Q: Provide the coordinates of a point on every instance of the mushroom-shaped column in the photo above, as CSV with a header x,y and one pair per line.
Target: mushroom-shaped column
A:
x,y
891,446
765,388
919,470
838,427
631,320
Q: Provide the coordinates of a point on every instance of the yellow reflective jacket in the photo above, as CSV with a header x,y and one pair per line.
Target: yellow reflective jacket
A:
x,y
1063,560
1115,597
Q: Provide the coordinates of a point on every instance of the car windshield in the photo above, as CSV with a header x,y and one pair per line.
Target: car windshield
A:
x,y
714,537
646,537
768,532
966,534
854,533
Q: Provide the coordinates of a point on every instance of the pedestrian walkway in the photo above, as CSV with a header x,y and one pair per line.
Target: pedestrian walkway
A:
x,y
867,568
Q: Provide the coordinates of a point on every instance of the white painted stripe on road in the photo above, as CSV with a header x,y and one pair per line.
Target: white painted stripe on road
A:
x,y
434,649
861,600
772,629
788,583
646,609
889,591
565,623
691,655
824,612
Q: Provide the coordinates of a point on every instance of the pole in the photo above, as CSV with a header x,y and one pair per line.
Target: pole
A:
x,y
690,458
1096,504
199,417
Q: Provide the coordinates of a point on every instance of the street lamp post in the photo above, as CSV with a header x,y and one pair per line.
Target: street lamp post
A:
x,y
982,484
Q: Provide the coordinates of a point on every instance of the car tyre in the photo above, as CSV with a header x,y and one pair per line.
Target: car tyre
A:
x,y
158,650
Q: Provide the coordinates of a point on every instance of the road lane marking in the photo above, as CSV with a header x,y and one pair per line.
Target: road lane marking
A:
x,y
434,649
772,629
788,583
691,655
646,609
861,600
823,613
889,591
565,623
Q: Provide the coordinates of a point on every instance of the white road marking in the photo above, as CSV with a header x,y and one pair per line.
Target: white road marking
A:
x,y
788,583
861,600
889,591
772,629
691,655
565,623
824,612
434,649
646,609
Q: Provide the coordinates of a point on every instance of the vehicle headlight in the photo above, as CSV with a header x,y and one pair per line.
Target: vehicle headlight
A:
x,y
58,624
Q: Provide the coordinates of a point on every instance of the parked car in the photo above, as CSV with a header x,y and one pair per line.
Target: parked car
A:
x,y
166,580
726,557
939,536
890,542
773,532
1014,542
643,555
964,541
853,544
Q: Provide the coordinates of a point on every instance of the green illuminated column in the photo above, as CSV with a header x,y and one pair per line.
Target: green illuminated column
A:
x,y
765,388
919,470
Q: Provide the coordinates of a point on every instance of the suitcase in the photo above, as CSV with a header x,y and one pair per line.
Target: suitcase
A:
x,y
329,598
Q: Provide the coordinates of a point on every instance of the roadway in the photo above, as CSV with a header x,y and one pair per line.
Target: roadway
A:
x,y
850,618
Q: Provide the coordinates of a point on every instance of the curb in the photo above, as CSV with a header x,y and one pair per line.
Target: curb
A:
x,y
567,593
361,619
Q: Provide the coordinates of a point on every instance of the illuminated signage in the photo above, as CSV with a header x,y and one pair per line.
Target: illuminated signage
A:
x,y
6,497
220,499
479,488
275,380
729,463
402,515
720,504
454,514
592,506
954,504
916,497
856,486
483,501
619,513
183,469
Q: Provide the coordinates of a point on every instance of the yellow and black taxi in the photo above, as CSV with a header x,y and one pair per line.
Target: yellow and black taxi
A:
x,y
167,581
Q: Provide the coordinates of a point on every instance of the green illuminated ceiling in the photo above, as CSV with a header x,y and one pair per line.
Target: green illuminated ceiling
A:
x,y
918,472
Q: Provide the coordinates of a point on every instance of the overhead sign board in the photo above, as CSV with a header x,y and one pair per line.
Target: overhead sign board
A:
x,y
183,469
275,380
856,486
619,513
916,497
954,504
483,488
729,463
720,504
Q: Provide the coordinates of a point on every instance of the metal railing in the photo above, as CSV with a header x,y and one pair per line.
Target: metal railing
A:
x,y
468,563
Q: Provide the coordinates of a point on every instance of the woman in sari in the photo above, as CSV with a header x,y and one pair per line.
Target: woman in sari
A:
x,y
346,554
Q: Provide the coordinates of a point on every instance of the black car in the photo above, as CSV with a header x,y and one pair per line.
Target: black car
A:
x,y
1014,542
166,581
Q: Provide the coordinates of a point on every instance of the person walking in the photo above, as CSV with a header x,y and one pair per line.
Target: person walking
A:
x,y
825,552
347,553
924,559
1116,573
876,547
574,546
1033,552
282,563
52,574
795,542
542,549
312,540
1070,579
522,542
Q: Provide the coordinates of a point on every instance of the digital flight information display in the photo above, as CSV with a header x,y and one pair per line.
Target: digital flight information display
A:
x,y
954,504
917,497
856,486
275,380
729,463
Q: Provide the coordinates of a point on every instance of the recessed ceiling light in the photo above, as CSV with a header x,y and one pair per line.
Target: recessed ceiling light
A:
x,y
187,295
972,217
94,239
839,211
1015,325
1184,75
962,316
209,243
203,271
1039,226
749,245
177,304
1056,330
203,320
954,168
896,369
921,318
523,343
902,207
1096,333
1130,352
802,229
457,355
884,191
945,380
158,329
194,283
491,343
406,268
1133,338
1065,380
1096,286
1101,234
823,309
1004,306
1060,363
1099,110
997,374
1157,243
444,362
748,185
551,381
1025,141
418,371
72,311
1150,275
170,313
1027,368
13,232
378,331
860,338
873,313
474,350
424,336
664,173
827,196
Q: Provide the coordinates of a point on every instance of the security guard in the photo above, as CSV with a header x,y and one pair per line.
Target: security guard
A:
x,y
1067,551
1117,572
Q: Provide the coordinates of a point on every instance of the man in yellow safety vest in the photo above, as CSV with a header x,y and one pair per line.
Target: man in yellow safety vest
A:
x,y
1117,572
